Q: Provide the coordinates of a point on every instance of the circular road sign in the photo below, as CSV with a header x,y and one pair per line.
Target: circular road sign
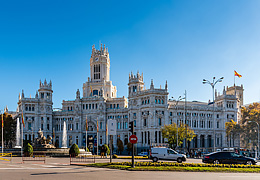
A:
x,y
133,139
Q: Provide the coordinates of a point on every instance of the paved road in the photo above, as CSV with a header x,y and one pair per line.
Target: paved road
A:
x,y
59,168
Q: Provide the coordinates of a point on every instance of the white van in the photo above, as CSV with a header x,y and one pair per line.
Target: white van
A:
x,y
166,154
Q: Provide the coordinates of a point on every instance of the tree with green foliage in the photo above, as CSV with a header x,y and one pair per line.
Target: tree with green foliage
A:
x,y
9,130
170,133
248,125
74,150
28,150
120,146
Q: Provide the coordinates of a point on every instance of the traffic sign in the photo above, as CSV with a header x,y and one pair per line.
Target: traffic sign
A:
x,y
133,139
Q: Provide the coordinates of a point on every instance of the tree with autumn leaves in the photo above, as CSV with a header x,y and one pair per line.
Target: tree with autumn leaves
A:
x,y
170,133
248,125
232,132
246,129
9,130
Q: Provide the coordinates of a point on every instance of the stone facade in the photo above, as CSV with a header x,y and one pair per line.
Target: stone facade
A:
x,y
150,109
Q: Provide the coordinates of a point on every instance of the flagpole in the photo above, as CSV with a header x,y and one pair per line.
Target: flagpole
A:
x,y
235,84
97,136
106,135
22,142
86,133
3,132
53,137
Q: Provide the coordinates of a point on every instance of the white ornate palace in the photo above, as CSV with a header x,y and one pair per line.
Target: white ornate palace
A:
x,y
149,108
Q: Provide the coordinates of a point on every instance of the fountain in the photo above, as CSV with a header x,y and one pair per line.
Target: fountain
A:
x,y
43,143
64,136
18,136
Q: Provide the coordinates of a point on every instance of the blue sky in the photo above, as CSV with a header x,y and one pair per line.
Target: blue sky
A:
x,y
182,42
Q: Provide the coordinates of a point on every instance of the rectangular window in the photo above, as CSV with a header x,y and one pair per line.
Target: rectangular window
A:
x,y
83,107
48,127
117,106
155,136
41,126
170,113
142,137
160,121
101,125
29,126
77,126
86,106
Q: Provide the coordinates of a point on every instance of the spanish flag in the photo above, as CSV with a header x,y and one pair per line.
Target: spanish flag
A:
x,y
23,120
91,91
238,75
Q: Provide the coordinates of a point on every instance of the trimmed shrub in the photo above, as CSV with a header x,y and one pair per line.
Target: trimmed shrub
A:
x,y
74,150
107,149
28,150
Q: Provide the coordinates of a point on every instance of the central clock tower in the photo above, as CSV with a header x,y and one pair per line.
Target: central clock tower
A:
x,y
100,64
99,83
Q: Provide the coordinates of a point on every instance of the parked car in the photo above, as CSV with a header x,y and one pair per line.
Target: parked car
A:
x,y
143,154
164,153
226,157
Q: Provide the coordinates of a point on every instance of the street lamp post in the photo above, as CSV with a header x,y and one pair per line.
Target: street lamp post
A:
x,y
212,84
257,138
177,101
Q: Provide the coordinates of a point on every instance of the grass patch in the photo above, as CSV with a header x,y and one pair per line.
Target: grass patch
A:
x,y
182,167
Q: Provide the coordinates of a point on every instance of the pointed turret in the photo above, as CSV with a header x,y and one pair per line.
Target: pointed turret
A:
x,y
151,86
166,86
22,94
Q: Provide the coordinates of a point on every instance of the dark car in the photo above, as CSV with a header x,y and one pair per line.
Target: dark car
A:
x,y
227,158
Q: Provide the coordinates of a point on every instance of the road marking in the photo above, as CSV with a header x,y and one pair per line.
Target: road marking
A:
x,y
246,176
28,168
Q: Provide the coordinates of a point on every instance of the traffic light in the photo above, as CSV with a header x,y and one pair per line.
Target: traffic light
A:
x,y
131,127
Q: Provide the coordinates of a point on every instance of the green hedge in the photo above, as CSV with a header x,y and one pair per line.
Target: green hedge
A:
x,y
186,164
